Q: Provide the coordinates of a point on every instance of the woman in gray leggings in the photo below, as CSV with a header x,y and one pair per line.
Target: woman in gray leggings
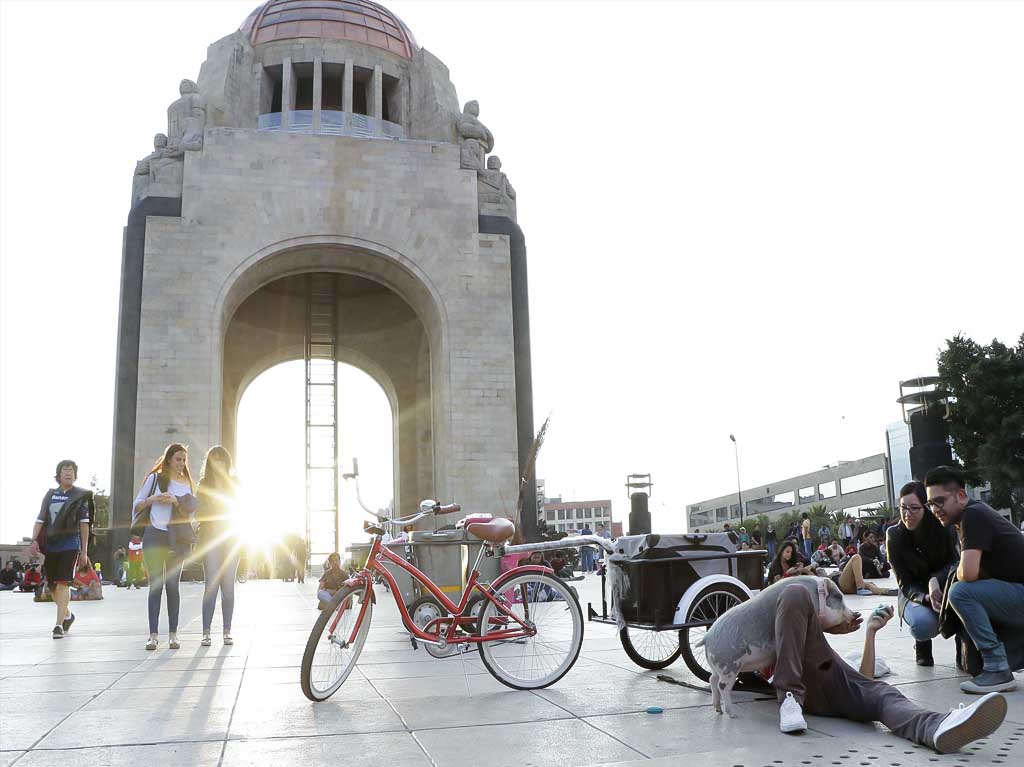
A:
x,y
161,505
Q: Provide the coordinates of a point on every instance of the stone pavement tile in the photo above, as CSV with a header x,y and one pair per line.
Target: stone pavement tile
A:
x,y
945,694
438,686
26,717
483,708
538,744
65,683
161,755
158,715
7,758
286,712
696,730
171,662
190,678
254,690
283,675
6,671
94,667
393,749
26,653
787,751
620,695
432,667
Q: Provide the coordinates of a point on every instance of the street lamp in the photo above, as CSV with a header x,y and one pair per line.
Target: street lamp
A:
x,y
739,491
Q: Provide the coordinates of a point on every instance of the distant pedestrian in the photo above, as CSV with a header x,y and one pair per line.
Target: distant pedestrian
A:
x,y
807,538
587,552
63,526
8,577
136,567
218,540
159,510
771,539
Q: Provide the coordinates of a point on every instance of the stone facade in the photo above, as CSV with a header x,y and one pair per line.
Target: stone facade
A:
x,y
425,302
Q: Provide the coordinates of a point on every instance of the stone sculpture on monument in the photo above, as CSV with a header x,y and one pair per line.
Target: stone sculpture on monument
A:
x,y
475,139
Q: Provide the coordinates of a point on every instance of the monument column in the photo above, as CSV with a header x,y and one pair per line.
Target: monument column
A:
x,y
318,91
287,93
377,108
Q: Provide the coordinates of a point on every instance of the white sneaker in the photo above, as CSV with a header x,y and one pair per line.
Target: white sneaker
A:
x,y
151,644
968,723
791,715
228,639
206,641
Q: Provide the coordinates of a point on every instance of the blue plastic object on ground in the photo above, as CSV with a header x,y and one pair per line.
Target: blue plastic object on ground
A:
x,y
655,710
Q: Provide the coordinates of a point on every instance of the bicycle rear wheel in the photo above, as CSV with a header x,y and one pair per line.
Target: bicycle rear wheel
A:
x,y
529,663
335,642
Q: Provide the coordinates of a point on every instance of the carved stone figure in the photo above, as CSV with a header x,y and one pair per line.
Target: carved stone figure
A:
x,y
494,193
186,118
160,172
475,139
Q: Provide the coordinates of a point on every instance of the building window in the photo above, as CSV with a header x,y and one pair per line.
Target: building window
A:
x,y
771,503
827,489
551,516
806,494
561,513
721,514
734,510
865,481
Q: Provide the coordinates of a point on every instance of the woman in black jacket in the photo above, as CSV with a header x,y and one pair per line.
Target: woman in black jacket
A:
x,y
921,552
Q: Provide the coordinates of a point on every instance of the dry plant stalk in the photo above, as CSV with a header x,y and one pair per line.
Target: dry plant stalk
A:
x,y
524,481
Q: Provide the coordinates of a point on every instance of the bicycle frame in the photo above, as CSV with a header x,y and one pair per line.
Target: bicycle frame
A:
x,y
456,618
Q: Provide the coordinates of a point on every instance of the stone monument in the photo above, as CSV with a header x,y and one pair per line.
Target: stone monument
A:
x,y
319,195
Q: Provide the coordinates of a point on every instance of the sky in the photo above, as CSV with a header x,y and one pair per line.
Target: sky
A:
x,y
747,218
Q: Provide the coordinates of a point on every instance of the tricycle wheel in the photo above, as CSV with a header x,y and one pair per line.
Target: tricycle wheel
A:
x,y
651,649
709,605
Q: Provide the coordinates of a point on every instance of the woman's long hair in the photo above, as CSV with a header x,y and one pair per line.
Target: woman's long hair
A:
x,y
218,468
778,566
930,527
162,468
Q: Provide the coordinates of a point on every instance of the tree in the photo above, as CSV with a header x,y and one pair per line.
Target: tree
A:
x,y
985,388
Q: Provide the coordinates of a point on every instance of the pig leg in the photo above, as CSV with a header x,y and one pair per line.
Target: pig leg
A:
x,y
716,695
724,688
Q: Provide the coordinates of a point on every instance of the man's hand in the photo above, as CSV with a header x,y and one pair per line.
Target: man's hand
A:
x,y
83,560
33,549
849,627
879,618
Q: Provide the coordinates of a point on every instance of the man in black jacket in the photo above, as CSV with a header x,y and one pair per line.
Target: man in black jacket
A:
x,y
990,579
65,514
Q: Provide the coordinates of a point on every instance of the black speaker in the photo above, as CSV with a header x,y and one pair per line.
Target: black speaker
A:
x,y
929,427
923,458
639,516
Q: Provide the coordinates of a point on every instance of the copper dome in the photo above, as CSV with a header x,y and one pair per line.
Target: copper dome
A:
x,y
357,20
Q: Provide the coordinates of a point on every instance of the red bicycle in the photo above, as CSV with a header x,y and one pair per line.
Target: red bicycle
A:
x,y
527,623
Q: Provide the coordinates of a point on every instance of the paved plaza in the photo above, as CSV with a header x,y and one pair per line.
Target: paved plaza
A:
x,y
98,698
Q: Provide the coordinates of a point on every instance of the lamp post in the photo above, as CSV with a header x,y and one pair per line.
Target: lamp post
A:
x,y
739,490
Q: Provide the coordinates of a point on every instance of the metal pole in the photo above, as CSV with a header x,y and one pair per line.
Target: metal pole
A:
x,y
739,487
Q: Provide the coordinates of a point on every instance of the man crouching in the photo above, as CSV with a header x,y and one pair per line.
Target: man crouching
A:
x,y
811,677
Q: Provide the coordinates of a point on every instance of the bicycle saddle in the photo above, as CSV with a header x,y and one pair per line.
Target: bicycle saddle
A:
x,y
496,530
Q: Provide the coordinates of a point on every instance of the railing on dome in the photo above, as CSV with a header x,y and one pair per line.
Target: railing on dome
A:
x,y
332,123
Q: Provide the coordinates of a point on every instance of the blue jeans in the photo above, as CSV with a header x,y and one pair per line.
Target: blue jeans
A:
x,y
982,603
164,568
807,548
220,563
771,550
587,559
923,621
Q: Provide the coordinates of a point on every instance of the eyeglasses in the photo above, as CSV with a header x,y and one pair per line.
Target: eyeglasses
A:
x,y
910,509
937,502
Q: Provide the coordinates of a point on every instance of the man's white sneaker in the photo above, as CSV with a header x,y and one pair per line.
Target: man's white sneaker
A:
x,y
206,641
791,715
969,723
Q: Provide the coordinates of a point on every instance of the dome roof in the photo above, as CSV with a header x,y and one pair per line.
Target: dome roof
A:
x,y
357,20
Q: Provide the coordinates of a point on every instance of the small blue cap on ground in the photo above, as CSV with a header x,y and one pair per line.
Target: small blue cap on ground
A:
x,y
655,710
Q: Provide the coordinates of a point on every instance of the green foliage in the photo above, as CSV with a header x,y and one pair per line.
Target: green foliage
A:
x,y
102,501
985,387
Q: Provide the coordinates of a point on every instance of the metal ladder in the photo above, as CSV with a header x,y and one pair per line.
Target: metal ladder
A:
x,y
321,344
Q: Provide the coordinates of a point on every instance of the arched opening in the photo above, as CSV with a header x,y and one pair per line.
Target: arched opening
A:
x,y
330,339
271,457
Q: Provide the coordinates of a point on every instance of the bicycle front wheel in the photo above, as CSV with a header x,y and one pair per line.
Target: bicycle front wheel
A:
x,y
531,662
335,642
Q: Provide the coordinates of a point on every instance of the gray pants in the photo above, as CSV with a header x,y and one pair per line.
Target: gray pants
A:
x,y
825,685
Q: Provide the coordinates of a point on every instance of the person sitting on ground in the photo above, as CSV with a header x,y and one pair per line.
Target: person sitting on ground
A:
x,y
922,553
811,677
850,579
875,565
559,565
86,584
32,579
333,579
835,551
787,563
8,577
989,588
